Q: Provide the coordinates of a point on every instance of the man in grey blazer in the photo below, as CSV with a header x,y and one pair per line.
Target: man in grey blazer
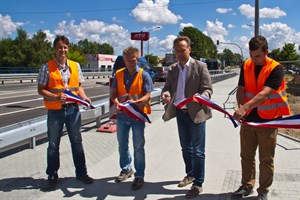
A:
x,y
186,78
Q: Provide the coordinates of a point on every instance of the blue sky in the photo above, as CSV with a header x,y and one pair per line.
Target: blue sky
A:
x,y
112,21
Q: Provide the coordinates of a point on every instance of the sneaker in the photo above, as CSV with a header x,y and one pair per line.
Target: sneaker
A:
x,y
123,176
137,183
262,196
186,181
193,192
85,179
242,192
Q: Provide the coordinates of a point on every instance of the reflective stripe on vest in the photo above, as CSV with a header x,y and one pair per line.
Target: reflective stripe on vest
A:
x,y
56,84
135,92
276,105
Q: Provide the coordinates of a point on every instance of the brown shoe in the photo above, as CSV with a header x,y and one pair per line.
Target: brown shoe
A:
x,y
193,192
186,181
124,175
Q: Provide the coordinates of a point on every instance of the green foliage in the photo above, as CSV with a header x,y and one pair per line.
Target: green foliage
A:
x,y
153,60
202,45
34,52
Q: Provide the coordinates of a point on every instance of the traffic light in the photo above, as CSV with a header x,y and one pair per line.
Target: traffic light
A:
x,y
218,42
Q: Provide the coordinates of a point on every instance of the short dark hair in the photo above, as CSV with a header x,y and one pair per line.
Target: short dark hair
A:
x,y
258,42
61,38
182,38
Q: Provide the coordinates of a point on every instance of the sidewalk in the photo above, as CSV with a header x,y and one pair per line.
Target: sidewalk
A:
x,y
23,173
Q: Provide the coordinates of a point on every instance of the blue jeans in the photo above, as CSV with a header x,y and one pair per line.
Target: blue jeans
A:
x,y
192,141
72,119
124,123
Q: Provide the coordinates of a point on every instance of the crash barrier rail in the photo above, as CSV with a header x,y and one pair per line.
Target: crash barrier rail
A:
x,y
31,77
29,132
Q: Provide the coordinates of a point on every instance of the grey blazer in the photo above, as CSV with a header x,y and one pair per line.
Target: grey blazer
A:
x,y
198,81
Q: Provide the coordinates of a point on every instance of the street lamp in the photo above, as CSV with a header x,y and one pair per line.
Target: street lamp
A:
x,y
151,29
218,42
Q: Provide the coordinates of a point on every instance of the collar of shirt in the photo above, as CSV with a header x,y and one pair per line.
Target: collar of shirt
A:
x,y
63,68
185,65
137,69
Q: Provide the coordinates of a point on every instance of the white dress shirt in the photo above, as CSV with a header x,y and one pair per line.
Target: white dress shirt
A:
x,y
182,75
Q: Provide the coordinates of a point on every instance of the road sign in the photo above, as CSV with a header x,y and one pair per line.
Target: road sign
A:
x,y
144,36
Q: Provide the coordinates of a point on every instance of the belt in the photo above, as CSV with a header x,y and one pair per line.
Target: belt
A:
x,y
185,110
68,105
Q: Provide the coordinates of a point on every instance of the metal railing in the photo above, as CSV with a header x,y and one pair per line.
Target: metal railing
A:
x,y
28,132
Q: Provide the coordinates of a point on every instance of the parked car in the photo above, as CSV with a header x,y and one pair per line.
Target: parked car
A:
x,y
119,63
161,73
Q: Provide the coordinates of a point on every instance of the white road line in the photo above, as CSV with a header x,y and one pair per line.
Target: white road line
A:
x,y
16,102
21,110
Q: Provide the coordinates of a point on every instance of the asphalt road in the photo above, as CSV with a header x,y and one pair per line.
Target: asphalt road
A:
x,y
21,102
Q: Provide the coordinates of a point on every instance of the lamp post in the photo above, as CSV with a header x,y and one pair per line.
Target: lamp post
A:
x,y
151,29
218,42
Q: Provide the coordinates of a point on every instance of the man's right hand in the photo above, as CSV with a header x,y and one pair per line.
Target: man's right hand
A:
x,y
166,97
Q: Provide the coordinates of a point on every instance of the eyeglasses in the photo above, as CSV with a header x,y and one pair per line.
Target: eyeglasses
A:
x,y
179,50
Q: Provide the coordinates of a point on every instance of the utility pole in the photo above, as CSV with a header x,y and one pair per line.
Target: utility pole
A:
x,y
256,32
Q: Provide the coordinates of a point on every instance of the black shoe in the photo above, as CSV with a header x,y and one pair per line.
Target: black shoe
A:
x,y
137,183
193,192
262,196
123,176
242,192
50,183
85,179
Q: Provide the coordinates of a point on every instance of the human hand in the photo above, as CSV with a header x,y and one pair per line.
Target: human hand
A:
x,y
240,113
166,97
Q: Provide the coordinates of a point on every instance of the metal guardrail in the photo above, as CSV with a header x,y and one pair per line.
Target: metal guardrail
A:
x,y
29,131
31,77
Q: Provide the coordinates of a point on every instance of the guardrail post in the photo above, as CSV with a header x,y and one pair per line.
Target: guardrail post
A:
x,y
32,143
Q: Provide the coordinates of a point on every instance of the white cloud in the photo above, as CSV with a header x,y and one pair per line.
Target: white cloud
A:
x,y
96,31
249,12
223,10
278,34
231,26
182,25
215,30
156,12
166,45
115,19
7,26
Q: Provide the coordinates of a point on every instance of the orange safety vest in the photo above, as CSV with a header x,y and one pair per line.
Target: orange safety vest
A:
x,y
276,105
56,84
135,92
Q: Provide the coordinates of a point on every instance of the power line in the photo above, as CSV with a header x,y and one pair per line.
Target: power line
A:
x,y
110,9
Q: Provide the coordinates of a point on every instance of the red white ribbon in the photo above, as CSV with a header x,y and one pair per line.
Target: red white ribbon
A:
x,y
288,122
133,111
76,99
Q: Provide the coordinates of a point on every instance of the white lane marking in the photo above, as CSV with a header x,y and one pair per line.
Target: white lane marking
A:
x,y
16,102
23,110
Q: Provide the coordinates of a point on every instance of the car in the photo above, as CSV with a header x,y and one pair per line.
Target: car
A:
x,y
161,73
119,63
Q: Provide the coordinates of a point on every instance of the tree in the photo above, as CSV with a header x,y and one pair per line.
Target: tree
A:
x,y
153,60
106,49
202,45
289,53
40,51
